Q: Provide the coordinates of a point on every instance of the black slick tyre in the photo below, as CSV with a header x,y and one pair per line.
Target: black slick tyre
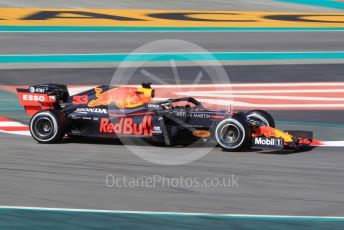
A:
x,y
261,116
48,126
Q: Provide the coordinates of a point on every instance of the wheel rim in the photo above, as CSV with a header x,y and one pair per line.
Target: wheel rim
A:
x,y
44,127
230,134
37,131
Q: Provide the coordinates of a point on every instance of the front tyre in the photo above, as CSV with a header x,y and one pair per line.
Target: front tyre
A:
x,y
47,126
261,116
233,134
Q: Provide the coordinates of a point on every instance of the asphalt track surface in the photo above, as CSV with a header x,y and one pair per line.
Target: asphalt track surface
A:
x,y
62,43
245,5
236,74
72,174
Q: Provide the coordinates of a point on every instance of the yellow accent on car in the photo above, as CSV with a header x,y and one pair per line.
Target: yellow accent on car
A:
x,y
285,136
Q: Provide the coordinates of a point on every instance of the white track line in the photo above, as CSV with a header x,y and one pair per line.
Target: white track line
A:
x,y
21,133
256,105
332,143
274,97
11,124
160,213
286,84
77,89
282,84
255,91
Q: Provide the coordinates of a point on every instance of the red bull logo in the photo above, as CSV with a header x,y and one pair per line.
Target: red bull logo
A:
x,y
103,98
127,126
124,97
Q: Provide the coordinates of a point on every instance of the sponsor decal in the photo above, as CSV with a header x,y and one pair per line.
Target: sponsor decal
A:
x,y
126,126
36,90
157,130
155,106
80,100
33,97
91,110
201,133
217,116
193,115
35,102
163,18
267,142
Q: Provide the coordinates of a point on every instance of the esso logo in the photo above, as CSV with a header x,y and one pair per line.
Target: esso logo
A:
x,y
29,97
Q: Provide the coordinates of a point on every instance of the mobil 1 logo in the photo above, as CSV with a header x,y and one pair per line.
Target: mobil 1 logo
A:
x,y
267,143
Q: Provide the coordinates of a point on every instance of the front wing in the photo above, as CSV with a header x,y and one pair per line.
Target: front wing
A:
x,y
266,137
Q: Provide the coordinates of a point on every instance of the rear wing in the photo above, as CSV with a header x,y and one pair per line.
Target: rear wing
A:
x,y
34,102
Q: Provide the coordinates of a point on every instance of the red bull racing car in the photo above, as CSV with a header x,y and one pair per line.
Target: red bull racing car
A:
x,y
115,112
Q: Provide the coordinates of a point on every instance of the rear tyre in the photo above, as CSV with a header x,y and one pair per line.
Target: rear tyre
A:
x,y
233,134
261,116
48,126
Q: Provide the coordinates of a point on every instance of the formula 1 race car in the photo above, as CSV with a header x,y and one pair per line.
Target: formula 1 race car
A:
x,y
115,112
